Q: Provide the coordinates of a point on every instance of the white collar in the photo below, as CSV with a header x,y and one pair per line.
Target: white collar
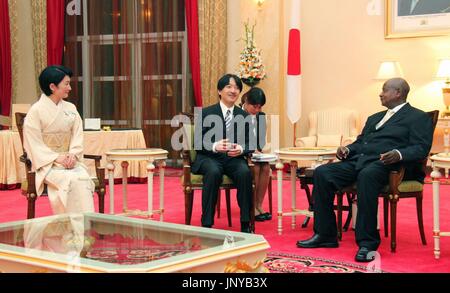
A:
x,y
225,109
397,108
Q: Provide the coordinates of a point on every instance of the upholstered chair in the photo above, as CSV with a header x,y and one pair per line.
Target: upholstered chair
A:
x,y
28,185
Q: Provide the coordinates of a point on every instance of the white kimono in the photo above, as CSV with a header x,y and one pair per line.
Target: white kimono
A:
x,y
50,130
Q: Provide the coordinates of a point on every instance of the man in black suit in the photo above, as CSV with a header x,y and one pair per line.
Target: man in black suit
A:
x,y
221,140
400,134
421,7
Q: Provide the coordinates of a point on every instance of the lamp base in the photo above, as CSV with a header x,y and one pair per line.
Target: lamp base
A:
x,y
445,113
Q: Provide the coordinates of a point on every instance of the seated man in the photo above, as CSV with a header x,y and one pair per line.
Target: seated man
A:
x,y
221,141
402,133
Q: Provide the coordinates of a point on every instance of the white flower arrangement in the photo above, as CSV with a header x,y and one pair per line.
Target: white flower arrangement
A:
x,y
251,69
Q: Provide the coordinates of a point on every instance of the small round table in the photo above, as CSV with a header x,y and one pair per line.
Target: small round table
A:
x,y
293,155
150,155
438,161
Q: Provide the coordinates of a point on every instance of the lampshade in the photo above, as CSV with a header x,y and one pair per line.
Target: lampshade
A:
x,y
444,69
389,69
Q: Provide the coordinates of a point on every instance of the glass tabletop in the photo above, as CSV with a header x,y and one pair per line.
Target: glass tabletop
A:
x,y
110,242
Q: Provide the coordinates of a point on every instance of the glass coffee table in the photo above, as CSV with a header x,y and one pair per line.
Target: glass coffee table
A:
x,y
94,242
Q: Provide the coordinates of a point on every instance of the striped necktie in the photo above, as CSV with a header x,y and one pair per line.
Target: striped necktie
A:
x,y
228,120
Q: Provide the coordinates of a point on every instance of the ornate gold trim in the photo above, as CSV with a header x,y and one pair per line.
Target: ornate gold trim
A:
x,y
39,26
12,5
244,267
212,21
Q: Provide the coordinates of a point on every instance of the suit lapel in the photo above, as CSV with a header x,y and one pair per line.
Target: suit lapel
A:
x,y
397,116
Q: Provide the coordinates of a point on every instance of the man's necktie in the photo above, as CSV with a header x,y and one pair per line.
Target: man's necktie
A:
x,y
386,117
228,120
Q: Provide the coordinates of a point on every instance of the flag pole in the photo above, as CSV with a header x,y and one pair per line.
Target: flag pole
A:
x,y
295,124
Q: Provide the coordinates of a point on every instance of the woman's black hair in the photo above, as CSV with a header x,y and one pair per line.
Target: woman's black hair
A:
x,y
52,74
255,96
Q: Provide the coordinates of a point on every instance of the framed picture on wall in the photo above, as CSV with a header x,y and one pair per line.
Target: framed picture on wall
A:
x,y
417,18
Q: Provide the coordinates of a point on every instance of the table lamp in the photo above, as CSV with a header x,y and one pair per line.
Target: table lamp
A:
x,y
444,73
389,69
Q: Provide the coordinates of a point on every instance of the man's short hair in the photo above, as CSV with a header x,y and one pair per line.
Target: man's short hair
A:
x,y
53,74
225,80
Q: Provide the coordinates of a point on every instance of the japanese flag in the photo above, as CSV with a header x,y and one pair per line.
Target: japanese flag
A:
x,y
294,69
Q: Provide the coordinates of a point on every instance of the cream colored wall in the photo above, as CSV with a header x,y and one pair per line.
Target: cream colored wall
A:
x,y
341,49
26,90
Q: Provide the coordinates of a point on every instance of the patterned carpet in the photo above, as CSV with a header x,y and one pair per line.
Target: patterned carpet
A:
x,y
278,262
275,262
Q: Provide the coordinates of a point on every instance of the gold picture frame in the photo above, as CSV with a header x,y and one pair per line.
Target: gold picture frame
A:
x,y
423,18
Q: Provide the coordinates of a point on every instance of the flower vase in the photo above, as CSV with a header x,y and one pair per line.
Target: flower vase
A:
x,y
251,82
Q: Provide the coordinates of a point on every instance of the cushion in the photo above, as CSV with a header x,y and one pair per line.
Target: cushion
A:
x,y
329,140
198,179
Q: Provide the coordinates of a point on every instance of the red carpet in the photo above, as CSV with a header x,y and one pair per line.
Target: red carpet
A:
x,y
411,255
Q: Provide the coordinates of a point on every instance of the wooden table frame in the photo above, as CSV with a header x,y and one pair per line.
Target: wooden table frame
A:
x,y
149,155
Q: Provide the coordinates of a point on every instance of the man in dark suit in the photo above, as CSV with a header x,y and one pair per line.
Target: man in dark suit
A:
x,y
222,140
400,134
420,7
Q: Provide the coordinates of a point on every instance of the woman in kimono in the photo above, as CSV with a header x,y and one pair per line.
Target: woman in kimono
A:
x,y
252,102
53,140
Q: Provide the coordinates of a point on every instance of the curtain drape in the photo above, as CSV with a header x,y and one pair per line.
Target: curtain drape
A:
x,y
5,62
39,27
191,7
55,31
213,49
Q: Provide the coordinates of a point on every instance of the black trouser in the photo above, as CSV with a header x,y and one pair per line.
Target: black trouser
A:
x,y
212,171
370,180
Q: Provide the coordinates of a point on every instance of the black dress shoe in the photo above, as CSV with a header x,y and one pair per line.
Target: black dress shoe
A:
x,y
364,255
260,218
268,216
245,227
317,241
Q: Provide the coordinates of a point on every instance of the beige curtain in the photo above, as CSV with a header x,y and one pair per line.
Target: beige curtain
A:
x,y
12,5
212,16
39,25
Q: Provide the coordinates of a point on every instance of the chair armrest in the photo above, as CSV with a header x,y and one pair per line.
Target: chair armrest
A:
x,y
185,155
92,157
348,140
306,141
97,160
395,178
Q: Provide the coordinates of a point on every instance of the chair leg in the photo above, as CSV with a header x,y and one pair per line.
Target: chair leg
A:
x,y
305,186
218,204
101,200
339,215
393,208
188,202
386,216
349,214
270,194
31,198
228,200
420,219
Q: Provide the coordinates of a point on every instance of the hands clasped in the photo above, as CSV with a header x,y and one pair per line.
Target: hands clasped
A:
x,y
67,160
231,149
